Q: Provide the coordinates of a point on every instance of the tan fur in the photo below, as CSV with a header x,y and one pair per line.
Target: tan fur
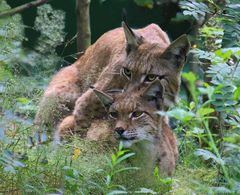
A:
x,y
69,92
149,135
67,125
100,130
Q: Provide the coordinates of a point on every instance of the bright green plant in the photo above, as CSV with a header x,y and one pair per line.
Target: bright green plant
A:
x,y
211,120
77,183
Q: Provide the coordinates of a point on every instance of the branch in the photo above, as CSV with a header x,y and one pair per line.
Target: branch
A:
x,y
21,8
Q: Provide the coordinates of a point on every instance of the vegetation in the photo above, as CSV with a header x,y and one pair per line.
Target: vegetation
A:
x,y
206,120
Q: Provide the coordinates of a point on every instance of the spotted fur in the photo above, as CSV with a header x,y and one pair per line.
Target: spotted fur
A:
x,y
142,52
139,127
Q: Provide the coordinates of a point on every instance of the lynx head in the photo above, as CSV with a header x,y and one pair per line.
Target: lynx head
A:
x,y
148,60
134,113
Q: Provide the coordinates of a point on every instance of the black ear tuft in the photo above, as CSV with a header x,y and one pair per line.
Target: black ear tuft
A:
x,y
132,40
124,15
104,98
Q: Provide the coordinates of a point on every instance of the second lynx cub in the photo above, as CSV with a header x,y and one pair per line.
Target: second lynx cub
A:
x,y
138,125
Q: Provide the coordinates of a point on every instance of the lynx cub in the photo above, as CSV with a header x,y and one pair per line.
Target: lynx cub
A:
x,y
138,125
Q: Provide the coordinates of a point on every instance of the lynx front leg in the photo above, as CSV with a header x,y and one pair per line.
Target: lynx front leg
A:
x,y
166,163
86,109
165,157
65,128
80,118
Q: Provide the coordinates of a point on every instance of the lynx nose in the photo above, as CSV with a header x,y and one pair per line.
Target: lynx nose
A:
x,y
119,130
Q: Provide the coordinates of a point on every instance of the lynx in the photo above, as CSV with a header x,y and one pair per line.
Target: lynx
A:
x,y
138,125
119,59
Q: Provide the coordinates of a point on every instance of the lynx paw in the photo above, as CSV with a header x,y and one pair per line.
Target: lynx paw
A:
x,y
65,128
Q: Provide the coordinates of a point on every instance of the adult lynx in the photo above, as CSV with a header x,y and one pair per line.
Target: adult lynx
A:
x,y
138,125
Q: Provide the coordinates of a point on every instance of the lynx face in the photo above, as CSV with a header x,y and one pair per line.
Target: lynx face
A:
x,y
138,126
134,113
147,62
134,121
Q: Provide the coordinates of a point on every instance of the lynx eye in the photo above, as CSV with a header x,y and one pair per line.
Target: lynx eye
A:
x,y
136,114
113,115
150,77
127,73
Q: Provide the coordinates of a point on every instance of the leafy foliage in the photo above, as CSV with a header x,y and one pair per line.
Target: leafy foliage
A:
x,y
215,108
208,123
196,9
11,37
43,57
50,23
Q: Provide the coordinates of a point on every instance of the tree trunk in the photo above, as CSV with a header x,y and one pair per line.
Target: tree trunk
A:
x,y
83,25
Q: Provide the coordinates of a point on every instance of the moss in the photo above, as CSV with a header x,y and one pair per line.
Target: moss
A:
x,y
191,180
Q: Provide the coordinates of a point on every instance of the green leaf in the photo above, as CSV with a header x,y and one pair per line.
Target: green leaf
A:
x,y
232,139
197,130
120,147
197,10
208,155
192,105
108,179
145,191
117,192
113,158
126,169
18,164
208,90
189,76
10,169
23,100
181,114
167,180
204,111
227,88
4,73
156,171
109,162
236,94
120,153
221,190
124,157
230,102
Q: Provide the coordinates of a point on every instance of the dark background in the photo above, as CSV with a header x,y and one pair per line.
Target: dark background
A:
x,y
105,16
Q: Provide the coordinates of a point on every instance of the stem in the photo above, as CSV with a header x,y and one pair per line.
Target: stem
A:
x,y
214,147
21,8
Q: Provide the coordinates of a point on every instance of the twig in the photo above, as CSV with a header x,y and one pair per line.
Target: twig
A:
x,y
21,8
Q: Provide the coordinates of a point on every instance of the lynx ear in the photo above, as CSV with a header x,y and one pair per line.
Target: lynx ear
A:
x,y
154,94
177,51
104,98
133,41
